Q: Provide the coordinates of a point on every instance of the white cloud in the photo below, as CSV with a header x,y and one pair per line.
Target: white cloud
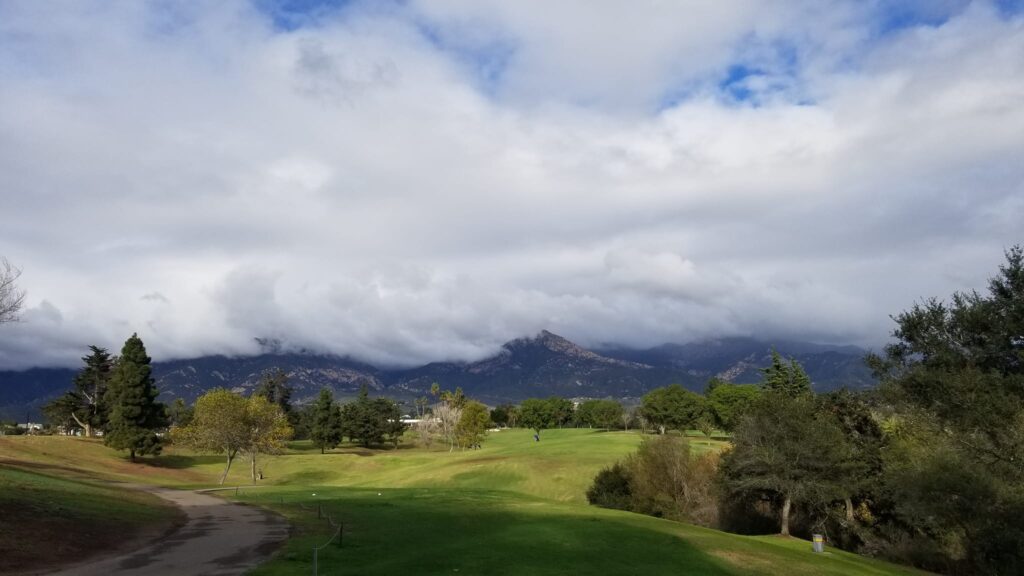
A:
x,y
356,186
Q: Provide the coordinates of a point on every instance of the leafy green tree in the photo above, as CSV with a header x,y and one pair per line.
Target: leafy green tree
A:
x,y
599,414
864,434
218,425
135,415
502,415
673,408
561,411
326,431
956,371
784,448
537,414
729,402
226,422
786,378
473,424
268,430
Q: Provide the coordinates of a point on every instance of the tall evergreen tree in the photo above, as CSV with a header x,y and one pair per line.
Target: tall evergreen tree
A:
x,y
85,405
91,388
135,415
788,379
326,430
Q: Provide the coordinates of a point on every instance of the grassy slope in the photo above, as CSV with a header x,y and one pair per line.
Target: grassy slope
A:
x,y
514,507
43,518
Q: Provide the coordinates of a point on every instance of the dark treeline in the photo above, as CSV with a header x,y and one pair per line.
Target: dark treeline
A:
x,y
927,470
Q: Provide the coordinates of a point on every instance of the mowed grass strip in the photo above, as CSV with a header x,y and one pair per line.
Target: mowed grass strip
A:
x,y
46,520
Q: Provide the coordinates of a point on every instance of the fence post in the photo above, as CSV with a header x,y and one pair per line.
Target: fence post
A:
x,y
315,571
341,531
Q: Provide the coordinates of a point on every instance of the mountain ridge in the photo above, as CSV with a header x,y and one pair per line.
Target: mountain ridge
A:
x,y
542,365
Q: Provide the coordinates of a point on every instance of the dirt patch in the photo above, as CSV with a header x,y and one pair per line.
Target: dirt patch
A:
x,y
31,543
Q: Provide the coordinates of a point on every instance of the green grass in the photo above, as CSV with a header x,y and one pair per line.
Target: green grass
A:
x,y
513,507
46,519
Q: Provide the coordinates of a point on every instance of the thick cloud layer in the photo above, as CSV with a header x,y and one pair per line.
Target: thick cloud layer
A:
x,y
423,181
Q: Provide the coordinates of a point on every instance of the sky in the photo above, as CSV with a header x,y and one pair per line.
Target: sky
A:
x,y
404,182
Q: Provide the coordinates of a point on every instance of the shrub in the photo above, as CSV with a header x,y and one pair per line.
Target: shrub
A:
x,y
611,488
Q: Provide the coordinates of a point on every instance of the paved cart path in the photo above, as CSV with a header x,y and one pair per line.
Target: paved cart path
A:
x,y
219,538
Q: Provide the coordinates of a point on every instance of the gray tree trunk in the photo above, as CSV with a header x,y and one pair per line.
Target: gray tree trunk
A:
x,y
231,456
785,516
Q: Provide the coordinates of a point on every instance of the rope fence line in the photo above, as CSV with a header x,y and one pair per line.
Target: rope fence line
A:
x,y
338,526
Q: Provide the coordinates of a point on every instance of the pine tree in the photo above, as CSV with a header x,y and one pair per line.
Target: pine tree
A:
x,y
789,380
326,431
86,405
135,415
91,387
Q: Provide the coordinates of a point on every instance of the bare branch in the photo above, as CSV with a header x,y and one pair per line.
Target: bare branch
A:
x,y
11,298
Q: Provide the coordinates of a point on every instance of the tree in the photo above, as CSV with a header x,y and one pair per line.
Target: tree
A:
x,y
421,404
179,413
864,435
537,414
956,375
607,414
372,421
599,413
473,424
448,412
358,421
561,410
273,386
673,408
268,429
135,415
502,415
218,424
785,449
326,431
86,403
226,422
785,378
11,297
388,410
729,402
60,412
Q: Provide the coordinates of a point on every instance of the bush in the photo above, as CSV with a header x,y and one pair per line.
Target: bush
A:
x,y
611,488
669,481
662,479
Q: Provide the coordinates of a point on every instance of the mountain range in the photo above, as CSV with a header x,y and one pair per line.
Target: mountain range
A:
x,y
543,365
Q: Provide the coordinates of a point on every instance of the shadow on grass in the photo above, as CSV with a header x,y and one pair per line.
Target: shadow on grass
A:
x,y
414,531
180,462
